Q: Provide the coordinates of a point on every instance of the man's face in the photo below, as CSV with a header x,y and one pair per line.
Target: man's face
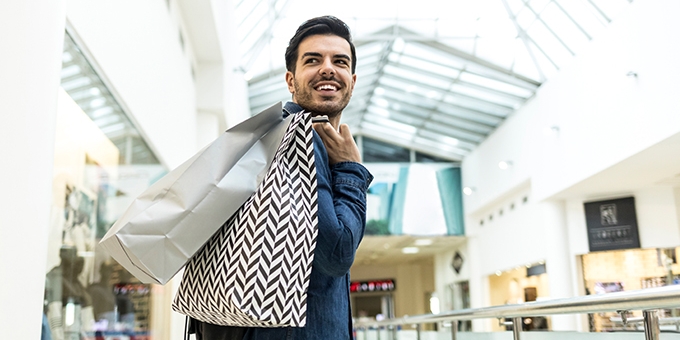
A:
x,y
323,79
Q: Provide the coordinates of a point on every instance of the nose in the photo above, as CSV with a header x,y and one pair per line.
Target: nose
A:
x,y
327,68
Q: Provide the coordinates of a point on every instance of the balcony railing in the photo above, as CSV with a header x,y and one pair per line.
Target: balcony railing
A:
x,y
647,300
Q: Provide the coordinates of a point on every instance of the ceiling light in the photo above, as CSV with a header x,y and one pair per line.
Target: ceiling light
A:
x,y
504,164
411,88
468,191
498,273
247,76
423,242
410,250
379,91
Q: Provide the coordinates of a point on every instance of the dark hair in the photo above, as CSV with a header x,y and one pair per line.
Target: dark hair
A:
x,y
325,25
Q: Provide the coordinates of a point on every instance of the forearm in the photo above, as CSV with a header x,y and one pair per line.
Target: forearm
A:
x,y
342,216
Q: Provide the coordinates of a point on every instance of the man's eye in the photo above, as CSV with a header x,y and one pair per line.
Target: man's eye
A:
x,y
342,61
310,61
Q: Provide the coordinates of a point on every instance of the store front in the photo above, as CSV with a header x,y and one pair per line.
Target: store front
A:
x,y
521,284
101,163
372,300
623,270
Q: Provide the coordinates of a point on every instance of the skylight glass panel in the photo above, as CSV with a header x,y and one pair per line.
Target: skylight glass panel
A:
x,y
453,132
552,48
447,140
485,95
477,105
573,35
440,147
451,70
433,55
392,124
405,119
465,124
496,85
538,5
586,14
416,77
525,18
515,5
383,130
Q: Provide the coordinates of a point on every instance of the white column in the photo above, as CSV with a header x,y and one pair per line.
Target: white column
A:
x,y
32,35
235,90
479,283
558,262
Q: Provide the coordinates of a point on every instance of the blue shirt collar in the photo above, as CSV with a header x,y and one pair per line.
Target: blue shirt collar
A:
x,y
290,108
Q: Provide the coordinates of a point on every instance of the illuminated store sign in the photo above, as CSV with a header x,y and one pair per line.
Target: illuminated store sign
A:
x,y
372,286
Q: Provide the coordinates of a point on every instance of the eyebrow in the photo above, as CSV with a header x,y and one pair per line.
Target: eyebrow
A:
x,y
317,54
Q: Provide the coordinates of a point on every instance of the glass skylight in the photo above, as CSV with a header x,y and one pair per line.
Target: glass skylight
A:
x,y
453,70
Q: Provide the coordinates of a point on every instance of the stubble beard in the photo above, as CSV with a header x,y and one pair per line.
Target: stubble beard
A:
x,y
328,105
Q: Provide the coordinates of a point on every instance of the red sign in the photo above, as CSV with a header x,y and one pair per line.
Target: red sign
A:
x,y
371,286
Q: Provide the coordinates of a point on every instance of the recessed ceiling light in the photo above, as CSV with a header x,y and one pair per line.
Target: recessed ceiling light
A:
x,y
468,191
504,164
424,242
410,250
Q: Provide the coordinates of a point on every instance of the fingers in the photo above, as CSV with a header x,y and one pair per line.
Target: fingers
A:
x,y
326,131
344,131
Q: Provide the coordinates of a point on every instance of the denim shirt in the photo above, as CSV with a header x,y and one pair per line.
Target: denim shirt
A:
x,y
341,192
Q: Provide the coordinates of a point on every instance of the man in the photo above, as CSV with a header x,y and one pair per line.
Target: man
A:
x,y
321,63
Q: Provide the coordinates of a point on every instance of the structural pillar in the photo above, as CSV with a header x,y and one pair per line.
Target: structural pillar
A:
x,y
558,261
32,35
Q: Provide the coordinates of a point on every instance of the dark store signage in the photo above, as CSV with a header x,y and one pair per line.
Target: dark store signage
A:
x,y
612,224
371,286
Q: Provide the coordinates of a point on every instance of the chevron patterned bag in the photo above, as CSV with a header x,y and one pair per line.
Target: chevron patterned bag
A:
x,y
255,270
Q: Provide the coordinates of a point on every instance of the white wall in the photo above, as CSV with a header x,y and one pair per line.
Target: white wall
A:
x,y
32,35
445,275
137,45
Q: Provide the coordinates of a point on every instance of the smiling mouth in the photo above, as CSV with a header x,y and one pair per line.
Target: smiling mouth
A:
x,y
326,87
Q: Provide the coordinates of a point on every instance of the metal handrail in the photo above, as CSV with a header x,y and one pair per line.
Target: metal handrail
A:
x,y
645,299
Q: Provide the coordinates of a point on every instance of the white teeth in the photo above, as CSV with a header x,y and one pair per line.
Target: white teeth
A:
x,y
327,87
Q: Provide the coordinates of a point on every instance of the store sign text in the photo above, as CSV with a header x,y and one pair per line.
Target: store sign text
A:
x,y
372,286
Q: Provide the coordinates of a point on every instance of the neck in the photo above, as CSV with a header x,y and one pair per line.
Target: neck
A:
x,y
335,121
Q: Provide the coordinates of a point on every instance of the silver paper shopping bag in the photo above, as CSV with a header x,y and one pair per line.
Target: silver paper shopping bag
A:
x,y
174,217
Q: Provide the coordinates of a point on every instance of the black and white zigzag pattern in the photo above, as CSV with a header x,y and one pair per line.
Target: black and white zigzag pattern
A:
x,y
255,270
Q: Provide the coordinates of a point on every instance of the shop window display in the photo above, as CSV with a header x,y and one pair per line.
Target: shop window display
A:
x,y
519,285
624,270
98,170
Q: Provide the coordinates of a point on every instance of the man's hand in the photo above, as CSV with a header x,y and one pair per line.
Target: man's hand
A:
x,y
339,144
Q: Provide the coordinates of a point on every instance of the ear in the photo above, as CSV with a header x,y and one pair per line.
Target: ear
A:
x,y
290,81
354,81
